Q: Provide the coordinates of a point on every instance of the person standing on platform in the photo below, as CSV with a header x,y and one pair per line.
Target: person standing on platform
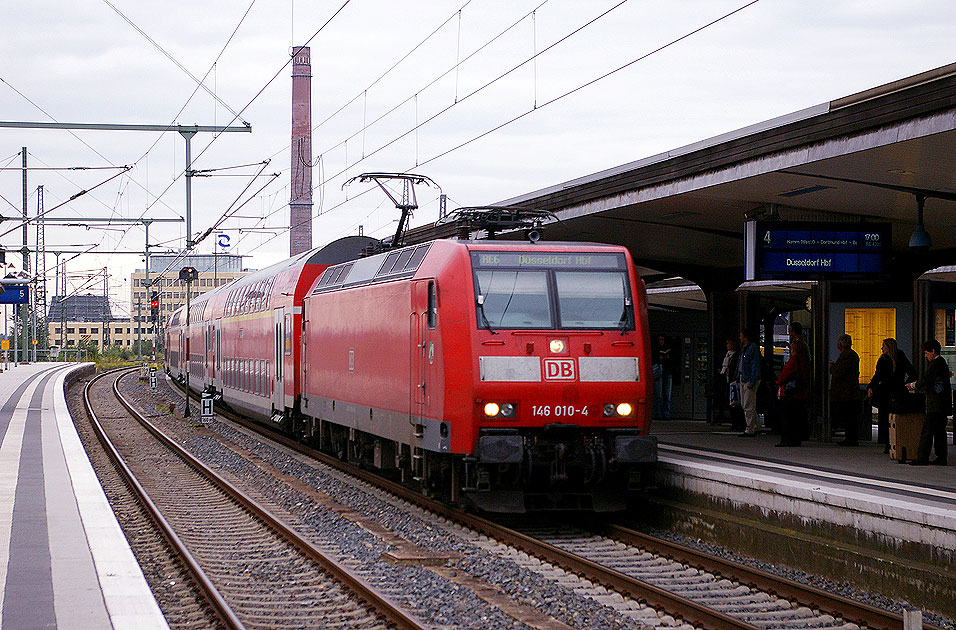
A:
x,y
748,374
845,390
794,390
663,378
723,385
887,388
935,383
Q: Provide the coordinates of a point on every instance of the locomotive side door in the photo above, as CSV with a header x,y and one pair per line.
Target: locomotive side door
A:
x,y
423,318
278,377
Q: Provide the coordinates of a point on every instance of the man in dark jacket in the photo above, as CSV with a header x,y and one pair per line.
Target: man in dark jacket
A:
x,y
935,383
845,390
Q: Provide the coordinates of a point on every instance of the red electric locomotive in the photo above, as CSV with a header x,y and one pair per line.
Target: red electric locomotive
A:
x,y
244,336
513,375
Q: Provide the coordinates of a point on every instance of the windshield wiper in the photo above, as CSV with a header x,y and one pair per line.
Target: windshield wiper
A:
x,y
622,323
484,318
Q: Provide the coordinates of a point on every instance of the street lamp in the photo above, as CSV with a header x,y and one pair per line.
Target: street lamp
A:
x,y
187,274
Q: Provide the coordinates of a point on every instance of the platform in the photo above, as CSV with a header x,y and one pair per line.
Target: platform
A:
x,y
64,561
817,480
848,512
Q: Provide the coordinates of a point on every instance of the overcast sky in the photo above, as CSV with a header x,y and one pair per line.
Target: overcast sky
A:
x,y
130,62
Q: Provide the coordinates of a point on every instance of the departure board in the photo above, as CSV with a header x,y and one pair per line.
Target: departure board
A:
x,y
788,250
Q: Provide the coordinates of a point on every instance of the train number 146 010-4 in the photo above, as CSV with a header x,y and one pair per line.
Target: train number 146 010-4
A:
x,y
558,411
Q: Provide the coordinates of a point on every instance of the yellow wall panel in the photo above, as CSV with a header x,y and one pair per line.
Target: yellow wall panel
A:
x,y
868,327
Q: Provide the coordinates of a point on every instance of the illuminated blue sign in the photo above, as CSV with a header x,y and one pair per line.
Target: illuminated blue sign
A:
x,y
785,250
15,294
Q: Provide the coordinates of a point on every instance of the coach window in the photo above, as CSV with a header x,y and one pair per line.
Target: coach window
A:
x,y
432,305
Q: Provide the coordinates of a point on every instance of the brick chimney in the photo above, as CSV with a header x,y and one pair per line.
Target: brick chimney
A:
x,y
300,203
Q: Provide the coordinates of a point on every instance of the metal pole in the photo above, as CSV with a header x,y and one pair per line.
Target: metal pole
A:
x,y
63,305
139,325
35,334
16,337
25,308
149,288
105,338
188,135
56,289
188,291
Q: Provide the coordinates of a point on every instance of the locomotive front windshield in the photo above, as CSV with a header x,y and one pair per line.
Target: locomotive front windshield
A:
x,y
552,290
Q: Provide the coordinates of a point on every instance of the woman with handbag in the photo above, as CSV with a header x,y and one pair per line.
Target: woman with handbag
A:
x,y
794,390
887,388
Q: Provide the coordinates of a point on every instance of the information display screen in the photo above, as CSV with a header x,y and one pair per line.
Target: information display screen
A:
x,y
547,260
785,250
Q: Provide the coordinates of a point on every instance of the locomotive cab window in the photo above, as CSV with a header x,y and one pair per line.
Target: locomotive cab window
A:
x,y
552,290
592,300
432,306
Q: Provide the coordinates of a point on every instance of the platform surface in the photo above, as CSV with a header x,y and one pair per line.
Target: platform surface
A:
x,y
821,479
64,561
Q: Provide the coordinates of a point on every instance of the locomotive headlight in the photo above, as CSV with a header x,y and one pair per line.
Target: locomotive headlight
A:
x,y
499,410
620,410
557,346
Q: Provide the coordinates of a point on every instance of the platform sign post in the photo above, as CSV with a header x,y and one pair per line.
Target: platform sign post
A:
x,y
152,377
206,410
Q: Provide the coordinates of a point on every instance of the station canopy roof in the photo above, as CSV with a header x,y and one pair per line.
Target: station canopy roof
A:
x,y
864,157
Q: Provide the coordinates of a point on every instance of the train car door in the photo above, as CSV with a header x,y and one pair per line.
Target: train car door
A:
x,y
278,377
424,320
217,352
210,353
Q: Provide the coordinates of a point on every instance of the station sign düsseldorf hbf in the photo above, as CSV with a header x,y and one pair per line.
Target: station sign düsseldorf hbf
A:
x,y
802,250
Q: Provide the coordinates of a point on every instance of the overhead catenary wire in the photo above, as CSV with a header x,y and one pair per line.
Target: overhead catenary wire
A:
x,y
458,101
364,91
252,100
72,133
593,81
158,199
544,104
169,56
28,220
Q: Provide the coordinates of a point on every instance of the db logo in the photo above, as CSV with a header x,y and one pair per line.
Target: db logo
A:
x,y
559,369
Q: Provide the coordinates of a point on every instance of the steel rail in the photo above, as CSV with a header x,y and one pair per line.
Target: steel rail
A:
x,y
803,594
690,611
212,594
385,608
696,614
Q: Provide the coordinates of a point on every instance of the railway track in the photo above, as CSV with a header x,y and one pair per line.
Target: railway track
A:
x,y
693,587
253,569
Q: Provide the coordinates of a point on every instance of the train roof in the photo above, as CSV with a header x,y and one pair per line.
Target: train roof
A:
x,y
261,284
404,262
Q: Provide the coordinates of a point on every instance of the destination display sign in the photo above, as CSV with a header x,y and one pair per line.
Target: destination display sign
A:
x,y
549,260
785,250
